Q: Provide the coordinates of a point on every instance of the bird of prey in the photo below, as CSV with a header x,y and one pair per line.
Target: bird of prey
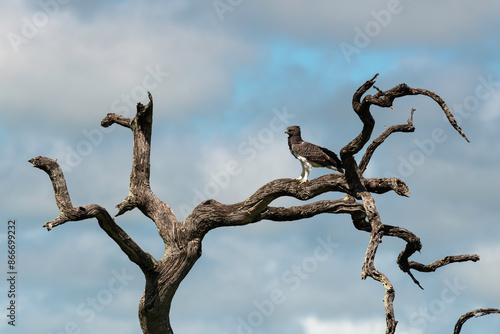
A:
x,y
310,155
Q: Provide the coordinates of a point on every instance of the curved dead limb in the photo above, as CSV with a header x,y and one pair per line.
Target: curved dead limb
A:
x,y
212,214
409,127
413,245
310,210
444,107
70,213
362,109
386,98
473,314
111,119
382,185
442,262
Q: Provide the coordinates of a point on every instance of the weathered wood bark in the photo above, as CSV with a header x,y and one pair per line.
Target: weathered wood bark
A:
x,y
182,240
473,314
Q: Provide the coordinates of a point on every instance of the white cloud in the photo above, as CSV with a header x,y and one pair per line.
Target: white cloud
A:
x,y
391,21
490,114
481,279
313,325
72,71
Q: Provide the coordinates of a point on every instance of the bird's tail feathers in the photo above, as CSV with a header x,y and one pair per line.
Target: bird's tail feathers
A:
x,y
340,170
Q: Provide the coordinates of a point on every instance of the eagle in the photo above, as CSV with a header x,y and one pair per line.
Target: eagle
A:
x,y
310,155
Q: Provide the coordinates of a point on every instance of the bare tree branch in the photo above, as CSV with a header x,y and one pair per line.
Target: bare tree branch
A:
x,y
382,185
409,127
363,111
442,262
212,214
111,119
413,245
70,213
473,314
310,210
386,98
140,194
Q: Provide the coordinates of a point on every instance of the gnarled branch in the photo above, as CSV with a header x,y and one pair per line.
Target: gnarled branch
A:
x,y
212,214
310,210
358,185
386,99
140,194
409,127
70,213
413,245
473,314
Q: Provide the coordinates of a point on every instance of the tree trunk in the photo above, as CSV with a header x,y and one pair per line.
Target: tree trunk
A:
x,y
161,285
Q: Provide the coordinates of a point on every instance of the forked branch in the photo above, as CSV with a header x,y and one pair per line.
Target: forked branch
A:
x,y
140,194
409,127
212,214
70,213
386,98
413,245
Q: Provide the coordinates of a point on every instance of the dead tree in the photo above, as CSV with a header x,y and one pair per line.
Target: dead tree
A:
x,y
183,239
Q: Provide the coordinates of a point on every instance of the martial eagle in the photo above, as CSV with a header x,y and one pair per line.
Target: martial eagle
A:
x,y
310,155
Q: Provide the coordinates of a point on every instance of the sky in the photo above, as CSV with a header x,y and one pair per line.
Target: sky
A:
x,y
227,77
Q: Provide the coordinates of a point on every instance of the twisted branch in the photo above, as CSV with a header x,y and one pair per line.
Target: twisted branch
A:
x,y
140,194
70,213
409,127
212,214
413,245
358,185
473,314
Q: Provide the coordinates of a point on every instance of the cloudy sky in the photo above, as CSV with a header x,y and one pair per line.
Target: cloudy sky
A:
x,y
227,77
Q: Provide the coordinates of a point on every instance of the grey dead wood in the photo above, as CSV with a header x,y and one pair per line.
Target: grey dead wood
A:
x,y
183,239
473,314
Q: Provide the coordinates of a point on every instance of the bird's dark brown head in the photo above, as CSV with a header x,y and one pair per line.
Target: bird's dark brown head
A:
x,y
293,131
